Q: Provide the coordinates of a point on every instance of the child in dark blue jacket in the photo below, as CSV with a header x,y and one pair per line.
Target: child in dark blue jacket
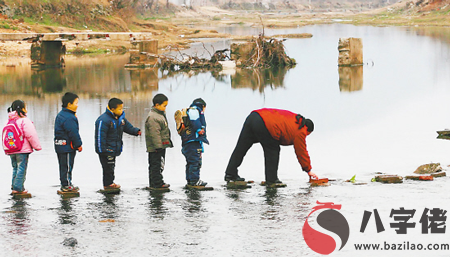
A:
x,y
192,142
67,140
109,129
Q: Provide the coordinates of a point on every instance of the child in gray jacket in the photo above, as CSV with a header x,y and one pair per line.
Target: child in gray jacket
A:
x,y
157,138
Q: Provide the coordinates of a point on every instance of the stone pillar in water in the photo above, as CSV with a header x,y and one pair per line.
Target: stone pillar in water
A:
x,y
350,52
144,52
51,53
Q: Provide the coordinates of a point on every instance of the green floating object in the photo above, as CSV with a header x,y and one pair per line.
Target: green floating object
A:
x,y
68,194
238,185
158,189
21,196
443,134
109,191
198,188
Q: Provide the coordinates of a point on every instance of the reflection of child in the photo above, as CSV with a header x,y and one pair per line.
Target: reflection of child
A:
x,y
19,159
109,129
157,138
67,140
192,139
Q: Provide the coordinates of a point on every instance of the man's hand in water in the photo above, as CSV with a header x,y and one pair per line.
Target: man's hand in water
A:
x,y
312,175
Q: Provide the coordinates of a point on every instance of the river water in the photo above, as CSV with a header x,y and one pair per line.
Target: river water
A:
x,y
381,119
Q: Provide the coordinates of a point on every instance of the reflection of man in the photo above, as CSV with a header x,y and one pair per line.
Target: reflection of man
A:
x,y
272,128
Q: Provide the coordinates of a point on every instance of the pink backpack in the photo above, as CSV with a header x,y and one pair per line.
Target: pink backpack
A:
x,y
12,137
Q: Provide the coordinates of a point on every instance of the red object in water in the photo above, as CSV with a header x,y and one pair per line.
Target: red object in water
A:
x,y
425,177
319,181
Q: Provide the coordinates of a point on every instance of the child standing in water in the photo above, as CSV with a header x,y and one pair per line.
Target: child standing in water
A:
x,y
67,140
19,139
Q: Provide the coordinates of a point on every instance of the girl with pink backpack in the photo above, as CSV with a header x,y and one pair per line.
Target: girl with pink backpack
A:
x,y
19,138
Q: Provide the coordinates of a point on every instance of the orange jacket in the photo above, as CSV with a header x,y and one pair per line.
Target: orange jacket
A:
x,y
283,126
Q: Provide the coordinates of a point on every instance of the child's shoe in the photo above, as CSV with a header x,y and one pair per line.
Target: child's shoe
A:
x,y
112,186
69,188
19,192
164,185
198,183
229,178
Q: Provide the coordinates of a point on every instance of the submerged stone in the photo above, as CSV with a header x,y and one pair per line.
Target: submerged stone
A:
x,y
68,194
423,178
199,188
70,242
21,196
389,179
158,189
273,185
429,168
438,174
319,182
238,185
109,191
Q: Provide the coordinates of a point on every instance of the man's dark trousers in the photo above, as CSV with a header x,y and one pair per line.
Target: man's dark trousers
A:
x,y
255,131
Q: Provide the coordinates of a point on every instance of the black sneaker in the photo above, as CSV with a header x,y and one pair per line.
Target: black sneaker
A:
x,y
273,182
229,178
198,183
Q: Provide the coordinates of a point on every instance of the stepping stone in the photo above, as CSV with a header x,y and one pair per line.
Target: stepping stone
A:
x,y
428,168
319,182
275,185
109,191
438,174
198,188
238,185
158,189
21,196
424,178
68,194
389,179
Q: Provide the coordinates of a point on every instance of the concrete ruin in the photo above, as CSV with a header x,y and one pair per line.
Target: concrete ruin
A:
x,y
143,54
350,52
49,53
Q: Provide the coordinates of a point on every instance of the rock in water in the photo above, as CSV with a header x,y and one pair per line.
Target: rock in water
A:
x,y
428,168
70,242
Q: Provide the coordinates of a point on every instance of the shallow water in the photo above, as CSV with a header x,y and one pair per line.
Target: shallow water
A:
x,y
387,123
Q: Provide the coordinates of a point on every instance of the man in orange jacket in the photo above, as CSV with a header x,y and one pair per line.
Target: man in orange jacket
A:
x,y
272,128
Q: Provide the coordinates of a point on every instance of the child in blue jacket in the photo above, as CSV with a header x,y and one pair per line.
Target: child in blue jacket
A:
x,y
67,140
192,142
109,129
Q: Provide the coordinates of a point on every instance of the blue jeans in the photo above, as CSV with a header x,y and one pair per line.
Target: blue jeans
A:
x,y
193,153
19,163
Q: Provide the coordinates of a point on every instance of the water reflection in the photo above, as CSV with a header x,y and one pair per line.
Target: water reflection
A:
x,y
350,78
156,205
19,217
194,202
144,79
259,79
109,209
65,213
48,80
